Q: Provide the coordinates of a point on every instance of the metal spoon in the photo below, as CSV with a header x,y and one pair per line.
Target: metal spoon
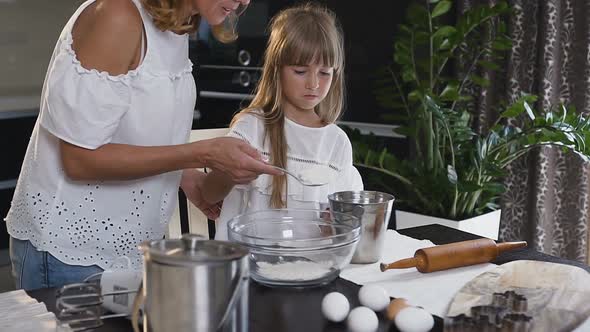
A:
x,y
303,182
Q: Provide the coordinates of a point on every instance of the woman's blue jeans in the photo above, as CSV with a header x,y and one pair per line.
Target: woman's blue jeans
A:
x,y
33,269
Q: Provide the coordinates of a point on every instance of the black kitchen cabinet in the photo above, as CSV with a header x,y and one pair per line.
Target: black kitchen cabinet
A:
x,y
16,133
5,199
369,34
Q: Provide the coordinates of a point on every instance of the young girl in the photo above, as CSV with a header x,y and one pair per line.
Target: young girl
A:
x,y
291,119
104,162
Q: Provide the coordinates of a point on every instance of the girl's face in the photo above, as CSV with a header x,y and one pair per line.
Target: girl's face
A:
x,y
215,11
304,87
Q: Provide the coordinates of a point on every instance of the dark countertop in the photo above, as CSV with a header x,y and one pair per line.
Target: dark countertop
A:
x,y
286,310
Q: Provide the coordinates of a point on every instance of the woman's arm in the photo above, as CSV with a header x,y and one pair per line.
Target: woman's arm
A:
x,y
127,162
237,159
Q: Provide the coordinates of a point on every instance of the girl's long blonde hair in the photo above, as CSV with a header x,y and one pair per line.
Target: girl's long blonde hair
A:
x,y
168,15
299,35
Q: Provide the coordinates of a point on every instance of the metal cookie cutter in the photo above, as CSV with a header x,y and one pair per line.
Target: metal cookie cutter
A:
x,y
510,299
489,313
80,305
504,314
516,323
459,323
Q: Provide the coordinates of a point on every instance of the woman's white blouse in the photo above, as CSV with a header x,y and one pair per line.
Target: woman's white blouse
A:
x,y
326,147
87,223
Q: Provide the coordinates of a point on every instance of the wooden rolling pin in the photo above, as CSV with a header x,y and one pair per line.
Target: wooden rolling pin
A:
x,y
452,255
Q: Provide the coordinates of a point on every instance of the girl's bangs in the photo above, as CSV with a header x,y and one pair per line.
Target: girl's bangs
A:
x,y
309,47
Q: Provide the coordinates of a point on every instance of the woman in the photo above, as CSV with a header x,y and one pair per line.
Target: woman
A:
x,y
104,161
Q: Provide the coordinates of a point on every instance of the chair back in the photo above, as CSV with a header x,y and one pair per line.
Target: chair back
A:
x,y
187,218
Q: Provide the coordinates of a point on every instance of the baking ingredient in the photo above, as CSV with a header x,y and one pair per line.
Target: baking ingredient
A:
x,y
374,297
297,270
315,175
335,307
395,306
413,319
453,255
362,319
408,318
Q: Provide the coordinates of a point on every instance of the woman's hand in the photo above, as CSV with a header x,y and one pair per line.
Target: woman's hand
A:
x,y
236,158
191,184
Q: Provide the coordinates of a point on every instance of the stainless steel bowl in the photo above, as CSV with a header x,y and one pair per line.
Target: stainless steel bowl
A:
x,y
290,247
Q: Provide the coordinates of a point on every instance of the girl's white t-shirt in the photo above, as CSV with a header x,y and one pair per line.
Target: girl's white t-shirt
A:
x,y
87,223
327,147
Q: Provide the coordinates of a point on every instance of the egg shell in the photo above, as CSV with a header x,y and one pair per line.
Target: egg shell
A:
x,y
412,319
374,297
396,306
362,319
335,307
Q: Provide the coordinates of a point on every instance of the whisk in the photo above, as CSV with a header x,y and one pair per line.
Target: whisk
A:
x,y
80,305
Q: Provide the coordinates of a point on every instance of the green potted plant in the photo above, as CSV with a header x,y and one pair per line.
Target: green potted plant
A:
x,y
454,175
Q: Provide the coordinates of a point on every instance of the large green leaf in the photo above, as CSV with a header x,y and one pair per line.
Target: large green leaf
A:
x,y
501,45
441,34
450,92
494,188
441,8
489,65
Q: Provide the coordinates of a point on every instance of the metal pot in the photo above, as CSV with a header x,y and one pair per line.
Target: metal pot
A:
x,y
194,284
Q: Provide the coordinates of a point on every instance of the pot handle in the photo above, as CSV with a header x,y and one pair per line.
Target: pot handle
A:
x,y
190,241
137,304
240,280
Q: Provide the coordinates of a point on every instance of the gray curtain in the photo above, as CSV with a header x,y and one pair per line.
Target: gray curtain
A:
x,y
547,201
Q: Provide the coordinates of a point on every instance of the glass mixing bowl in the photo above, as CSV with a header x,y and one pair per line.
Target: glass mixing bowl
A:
x,y
290,247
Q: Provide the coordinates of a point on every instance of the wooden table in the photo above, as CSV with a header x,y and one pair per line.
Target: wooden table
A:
x,y
286,310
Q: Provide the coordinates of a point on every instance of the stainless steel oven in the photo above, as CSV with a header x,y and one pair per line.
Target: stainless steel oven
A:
x,y
226,74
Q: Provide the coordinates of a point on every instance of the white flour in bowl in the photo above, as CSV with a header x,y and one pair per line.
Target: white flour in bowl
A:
x,y
315,175
298,270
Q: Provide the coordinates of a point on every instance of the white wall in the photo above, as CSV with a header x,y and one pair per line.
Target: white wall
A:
x,y
28,32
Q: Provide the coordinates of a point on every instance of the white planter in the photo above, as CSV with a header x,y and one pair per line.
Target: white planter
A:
x,y
486,225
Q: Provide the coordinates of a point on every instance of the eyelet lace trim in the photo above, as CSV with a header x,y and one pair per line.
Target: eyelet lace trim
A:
x,y
293,158
49,223
67,45
263,184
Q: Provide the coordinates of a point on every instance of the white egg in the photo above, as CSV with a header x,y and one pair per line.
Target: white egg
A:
x,y
374,297
412,319
362,319
335,307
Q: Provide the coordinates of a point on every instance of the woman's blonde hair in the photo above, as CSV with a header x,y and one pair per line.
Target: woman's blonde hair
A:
x,y
300,35
168,15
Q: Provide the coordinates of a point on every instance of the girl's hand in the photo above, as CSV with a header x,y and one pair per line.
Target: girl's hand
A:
x,y
326,216
236,158
191,184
